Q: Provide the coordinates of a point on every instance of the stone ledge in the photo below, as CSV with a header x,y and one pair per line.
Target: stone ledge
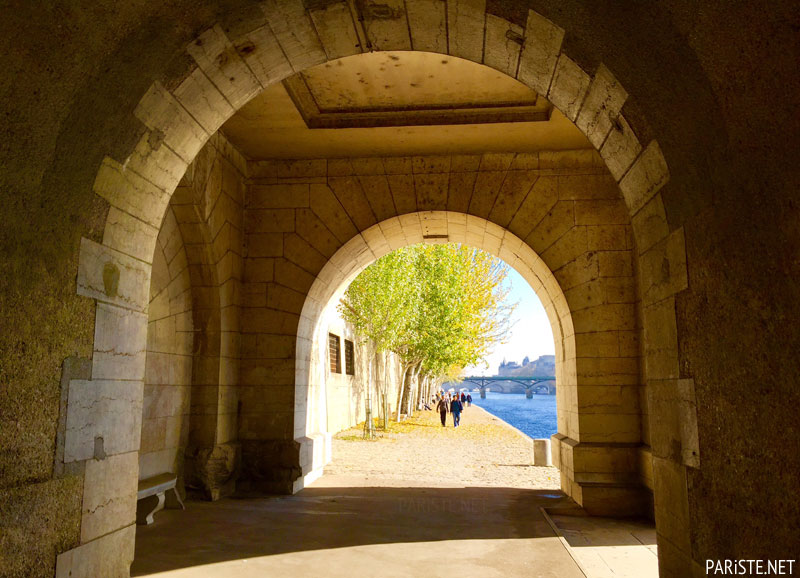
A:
x,y
269,466
617,492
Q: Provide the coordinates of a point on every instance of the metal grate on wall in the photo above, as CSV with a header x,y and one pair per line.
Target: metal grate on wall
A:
x,y
335,353
349,358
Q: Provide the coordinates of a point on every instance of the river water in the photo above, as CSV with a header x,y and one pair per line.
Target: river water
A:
x,y
535,416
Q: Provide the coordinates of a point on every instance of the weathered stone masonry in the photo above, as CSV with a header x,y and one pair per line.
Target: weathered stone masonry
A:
x,y
176,136
563,205
702,162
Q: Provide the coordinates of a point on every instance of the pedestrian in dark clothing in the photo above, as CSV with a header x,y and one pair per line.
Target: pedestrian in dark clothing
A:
x,y
463,398
469,400
456,407
442,408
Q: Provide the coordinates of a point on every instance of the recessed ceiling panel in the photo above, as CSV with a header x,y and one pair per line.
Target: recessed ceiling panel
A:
x,y
410,88
389,80
271,126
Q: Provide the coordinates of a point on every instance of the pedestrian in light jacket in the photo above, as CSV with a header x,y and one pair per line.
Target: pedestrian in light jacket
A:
x,y
441,407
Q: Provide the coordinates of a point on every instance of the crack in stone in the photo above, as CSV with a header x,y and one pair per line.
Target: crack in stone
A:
x,y
114,352
94,510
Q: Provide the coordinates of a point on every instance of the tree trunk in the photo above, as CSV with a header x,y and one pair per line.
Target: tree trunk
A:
x,y
369,424
408,392
384,364
401,390
429,390
386,387
380,383
417,381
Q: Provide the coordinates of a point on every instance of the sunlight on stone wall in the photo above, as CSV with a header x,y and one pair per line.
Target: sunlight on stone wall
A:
x,y
168,369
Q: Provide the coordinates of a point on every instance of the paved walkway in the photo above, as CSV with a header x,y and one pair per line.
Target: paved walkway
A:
x,y
483,451
422,501
609,548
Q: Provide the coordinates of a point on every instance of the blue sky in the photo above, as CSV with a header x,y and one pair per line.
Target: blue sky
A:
x,y
530,335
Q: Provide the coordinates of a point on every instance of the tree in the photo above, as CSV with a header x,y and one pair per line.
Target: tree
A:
x,y
440,308
378,303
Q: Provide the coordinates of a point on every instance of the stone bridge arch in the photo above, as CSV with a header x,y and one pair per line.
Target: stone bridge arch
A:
x,y
230,64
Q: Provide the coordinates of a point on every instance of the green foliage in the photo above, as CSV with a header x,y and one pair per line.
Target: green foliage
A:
x,y
438,306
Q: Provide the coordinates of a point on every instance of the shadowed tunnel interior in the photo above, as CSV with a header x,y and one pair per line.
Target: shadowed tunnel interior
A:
x,y
665,215
328,518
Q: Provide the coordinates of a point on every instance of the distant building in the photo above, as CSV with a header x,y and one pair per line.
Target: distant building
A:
x,y
544,365
508,368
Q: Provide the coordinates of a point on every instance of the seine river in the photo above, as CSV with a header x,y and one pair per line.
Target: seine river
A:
x,y
535,417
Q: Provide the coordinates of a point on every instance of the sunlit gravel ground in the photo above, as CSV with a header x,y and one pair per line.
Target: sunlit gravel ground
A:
x,y
483,451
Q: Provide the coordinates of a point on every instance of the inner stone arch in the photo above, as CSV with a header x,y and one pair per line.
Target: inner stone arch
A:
x,y
300,213
372,244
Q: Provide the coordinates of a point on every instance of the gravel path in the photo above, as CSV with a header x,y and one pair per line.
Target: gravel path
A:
x,y
482,451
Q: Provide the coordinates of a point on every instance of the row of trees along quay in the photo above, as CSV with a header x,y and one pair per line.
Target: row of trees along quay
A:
x,y
439,308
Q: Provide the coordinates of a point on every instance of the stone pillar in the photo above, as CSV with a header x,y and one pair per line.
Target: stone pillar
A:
x,y
483,393
541,453
529,392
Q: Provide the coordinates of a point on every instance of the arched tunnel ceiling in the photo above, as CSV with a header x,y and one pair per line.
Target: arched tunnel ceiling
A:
x,y
398,103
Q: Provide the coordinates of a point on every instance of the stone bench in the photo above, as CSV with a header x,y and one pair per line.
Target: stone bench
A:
x,y
153,494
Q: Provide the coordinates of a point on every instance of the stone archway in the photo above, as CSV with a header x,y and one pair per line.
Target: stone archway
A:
x,y
565,206
229,70
379,240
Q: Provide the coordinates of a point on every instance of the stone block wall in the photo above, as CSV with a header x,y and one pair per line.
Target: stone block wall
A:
x,y
564,208
168,363
346,395
207,206
731,188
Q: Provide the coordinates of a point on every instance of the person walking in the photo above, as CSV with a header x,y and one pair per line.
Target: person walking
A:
x,y
469,400
456,407
441,407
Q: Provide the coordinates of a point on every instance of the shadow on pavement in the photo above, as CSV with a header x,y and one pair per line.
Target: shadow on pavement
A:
x,y
327,518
